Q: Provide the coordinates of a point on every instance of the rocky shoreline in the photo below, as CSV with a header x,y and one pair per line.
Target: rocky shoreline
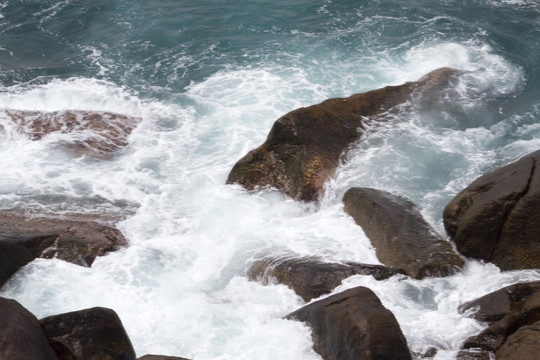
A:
x,y
494,219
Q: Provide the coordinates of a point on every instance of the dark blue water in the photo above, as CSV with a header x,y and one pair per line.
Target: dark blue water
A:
x,y
208,79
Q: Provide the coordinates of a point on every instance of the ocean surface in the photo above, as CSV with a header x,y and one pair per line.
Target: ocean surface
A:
x,y
208,79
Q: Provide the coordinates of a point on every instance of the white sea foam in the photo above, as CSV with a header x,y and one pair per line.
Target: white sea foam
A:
x,y
181,283
180,288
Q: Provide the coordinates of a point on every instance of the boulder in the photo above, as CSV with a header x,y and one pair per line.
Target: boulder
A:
x,y
400,235
494,336
160,357
522,299
496,217
14,254
304,147
353,325
99,133
24,238
310,277
89,334
21,336
524,344
506,311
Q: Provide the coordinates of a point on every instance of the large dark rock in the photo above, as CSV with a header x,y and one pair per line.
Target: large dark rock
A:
x,y
91,334
496,217
400,235
23,238
353,325
98,133
21,337
304,147
506,310
524,344
310,277
518,300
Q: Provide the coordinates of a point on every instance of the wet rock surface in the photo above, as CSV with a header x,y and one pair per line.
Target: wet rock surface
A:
x,y
496,217
99,133
95,333
400,235
90,334
21,337
304,147
524,344
24,238
353,325
507,311
311,277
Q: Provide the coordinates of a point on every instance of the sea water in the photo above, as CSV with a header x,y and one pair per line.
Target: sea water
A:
x,y
208,80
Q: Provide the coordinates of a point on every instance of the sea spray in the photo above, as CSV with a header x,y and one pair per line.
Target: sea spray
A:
x,y
209,81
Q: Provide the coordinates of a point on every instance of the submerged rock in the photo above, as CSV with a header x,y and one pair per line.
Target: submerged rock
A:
x,y
23,238
310,277
506,310
21,336
304,147
400,235
95,333
98,133
496,217
353,325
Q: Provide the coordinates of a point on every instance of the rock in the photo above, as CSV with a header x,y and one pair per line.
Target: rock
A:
x,y
310,277
23,238
517,300
494,336
496,217
473,354
506,310
95,333
353,325
524,344
99,133
400,235
160,357
21,336
14,255
304,147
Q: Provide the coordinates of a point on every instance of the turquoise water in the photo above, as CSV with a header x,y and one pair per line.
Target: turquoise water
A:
x,y
209,79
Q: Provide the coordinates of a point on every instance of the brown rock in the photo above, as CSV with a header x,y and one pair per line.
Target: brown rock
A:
x,y
524,344
90,334
21,336
496,217
310,277
100,133
506,310
494,336
304,147
22,239
400,235
353,325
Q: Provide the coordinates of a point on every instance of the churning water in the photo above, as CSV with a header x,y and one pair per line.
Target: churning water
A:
x,y
208,80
